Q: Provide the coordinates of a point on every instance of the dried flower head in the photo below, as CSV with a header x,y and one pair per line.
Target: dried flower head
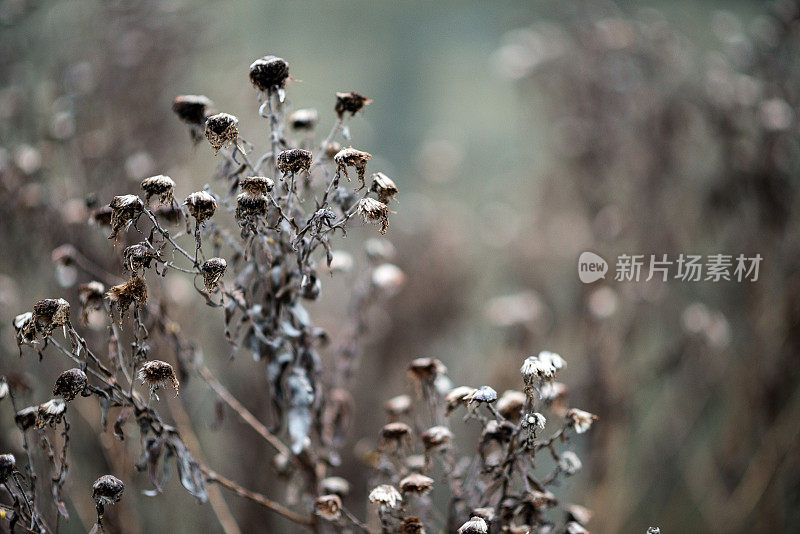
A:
x,y
476,525
351,102
329,507
385,495
394,433
123,295
201,205
482,394
91,298
221,129
25,329
70,383
510,404
50,313
249,205
331,149
304,119
384,187
7,466
156,374
137,257
269,72
294,160
398,406
50,412
102,216
124,210
570,463
192,109
579,420
160,186
436,437
551,391
416,483
335,485
457,397
213,269
426,369
26,417
373,211
486,513
257,185
543,366
350,157
107,490
534,421
412,525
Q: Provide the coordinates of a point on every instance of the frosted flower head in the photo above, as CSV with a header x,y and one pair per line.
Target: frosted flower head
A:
x,y
70,383
294,160
26,417
123,295
25,329
476,525
221,129
7,465
436,437
124,210
335,485
416,483
388,277
399,405
457,397
137,257
160,186
350,157
412,525
107,490
192,109
426,369
535,421
385,495
510,404
570,463
201,205
551,391
303,119
579,420
250,205
91,298
3,388
329,507
384,187
351,102
50,412
394,433
257,185
573,527
156,374
213,269
50,313
543,366
482,394
269,72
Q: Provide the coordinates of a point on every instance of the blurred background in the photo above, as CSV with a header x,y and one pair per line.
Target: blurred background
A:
x,y
520,134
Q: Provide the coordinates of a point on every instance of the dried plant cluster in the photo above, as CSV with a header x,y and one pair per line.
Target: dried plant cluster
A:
x,y
254,246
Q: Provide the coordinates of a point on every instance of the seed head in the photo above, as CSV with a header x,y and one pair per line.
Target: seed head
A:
x,y
351,102
70,383
350,157
50,313
385,495
457,397
510,404
123,295
250,205
304,119
373,211
91,298
156,374
269,72
213,269
124,210
107,490
26,417
50,413
161,186
579,420
201,205
192,109
416,483
436,437
482,394
137,257
257,185
384,187
426,369
7,465
476,525
294,160
221,129
335,485
329,507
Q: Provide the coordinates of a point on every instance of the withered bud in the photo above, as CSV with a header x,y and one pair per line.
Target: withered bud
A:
x,y
384,187
351,102
304,119
335,485
7,466
350,157
476,525
25,329
91,298
160,186
294,160
257,185
221,129
250,205
373,211
416,483
399,405
26,417
137,257
70,383
426,369
201,205
123,295
395,432
412,525
50,412
386,496
329,507
107,490
50,313
436,437
269,72
213,269
156,374
457,397
124,210
192,109
510,404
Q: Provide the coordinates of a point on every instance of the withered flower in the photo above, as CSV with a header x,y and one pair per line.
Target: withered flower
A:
x,y
25,329
335,485
213,269
304,119
102,216
50,412
249,205
543,366
269,72
351,102
294,160
397,406
124,210
350,157
457,397
106,490
394,434
412,525
385,495
137,257
570,463
192,109
534,421
329,507
476,525
26,417
436,437
510,404
221,129
7,466
70,383
123,295
384,187
426,369
161,186
201,206
373,211
579,420
482,394
416,483
257,185
157,374
91,298
50,313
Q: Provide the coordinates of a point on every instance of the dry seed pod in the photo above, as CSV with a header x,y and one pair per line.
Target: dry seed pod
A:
x,y
257,185
304,119
221,129
157,374
192,109
160,186
50,313
294,160
269,72
213,269
201,205
351,102
7,466
70,383
123,295
416,483
124,210
50,412
373,211
329,507
350,157
384,187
